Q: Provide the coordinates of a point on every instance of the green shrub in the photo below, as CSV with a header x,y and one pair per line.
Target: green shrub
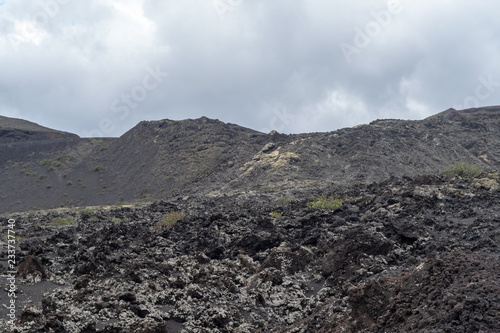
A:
x,y
96,142
65,157
57,164
284,200
276,215
463,169
99,167
51,164
169,219
85,212
324,202
62,221
116,220
45,163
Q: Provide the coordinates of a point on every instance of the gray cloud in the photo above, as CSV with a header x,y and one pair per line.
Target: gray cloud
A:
x,y
266,65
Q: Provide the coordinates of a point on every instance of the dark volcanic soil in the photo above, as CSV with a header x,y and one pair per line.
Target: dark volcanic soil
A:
x,y
18,130
406,255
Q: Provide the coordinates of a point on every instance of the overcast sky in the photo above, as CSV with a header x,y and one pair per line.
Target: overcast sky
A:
x,y
98,67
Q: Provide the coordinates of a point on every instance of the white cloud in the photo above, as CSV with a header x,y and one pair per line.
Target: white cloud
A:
x,y
261,57
337,109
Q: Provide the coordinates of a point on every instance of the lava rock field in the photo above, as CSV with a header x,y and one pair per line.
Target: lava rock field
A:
x,y
404,255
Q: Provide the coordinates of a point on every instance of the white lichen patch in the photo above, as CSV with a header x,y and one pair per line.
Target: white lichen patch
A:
x,y
274,160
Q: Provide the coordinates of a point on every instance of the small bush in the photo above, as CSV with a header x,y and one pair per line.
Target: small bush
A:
x,y
284,200
116,220
62,221
65,157
324,202
85,212
99,167
276,215
169,219
51,164
463,169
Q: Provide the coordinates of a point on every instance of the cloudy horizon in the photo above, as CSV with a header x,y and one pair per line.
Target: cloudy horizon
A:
x,y
98,68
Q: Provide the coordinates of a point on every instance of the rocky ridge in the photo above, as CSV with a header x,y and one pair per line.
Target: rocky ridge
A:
x,y
166,159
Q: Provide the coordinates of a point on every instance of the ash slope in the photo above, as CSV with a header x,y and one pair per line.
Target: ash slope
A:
x,y
406,255
166,159
18,130
154,159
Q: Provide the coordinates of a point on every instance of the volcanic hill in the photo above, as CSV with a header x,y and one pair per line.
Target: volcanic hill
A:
x,y
165,159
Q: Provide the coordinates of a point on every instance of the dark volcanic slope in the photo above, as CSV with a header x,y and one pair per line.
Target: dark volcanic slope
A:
x,y
18,130
382,149
161,159
153,159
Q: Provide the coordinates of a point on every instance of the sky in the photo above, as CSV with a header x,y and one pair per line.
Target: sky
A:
x,y
98,67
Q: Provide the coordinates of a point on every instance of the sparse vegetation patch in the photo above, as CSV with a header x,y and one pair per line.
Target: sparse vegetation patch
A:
x,y
284,200
96,142
276,215
99,167
463,169
51,164
324,202
85,212
169,219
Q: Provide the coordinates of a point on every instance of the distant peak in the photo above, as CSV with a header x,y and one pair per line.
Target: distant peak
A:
x,y
15,130
203,124
470,111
